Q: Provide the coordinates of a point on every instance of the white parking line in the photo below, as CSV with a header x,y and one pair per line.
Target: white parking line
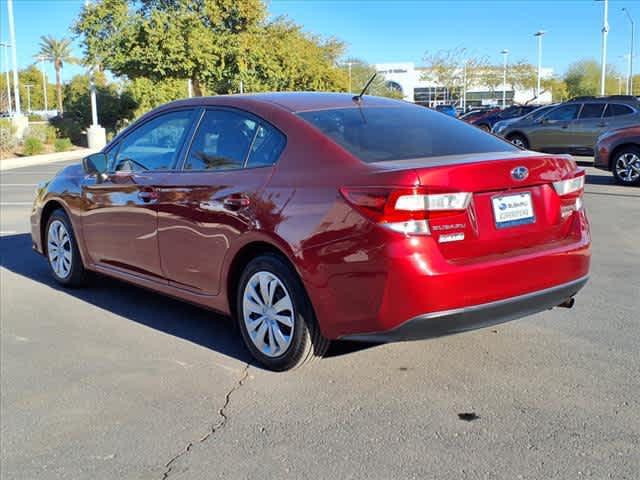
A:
x,y
11,204
18,184
7,232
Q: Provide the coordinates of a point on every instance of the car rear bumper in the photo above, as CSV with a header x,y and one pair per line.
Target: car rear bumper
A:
x,y
458,320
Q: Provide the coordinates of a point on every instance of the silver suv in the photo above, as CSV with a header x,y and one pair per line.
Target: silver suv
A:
x,y
574,126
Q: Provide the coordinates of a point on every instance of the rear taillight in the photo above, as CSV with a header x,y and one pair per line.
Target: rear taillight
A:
x,y
405,210
570,192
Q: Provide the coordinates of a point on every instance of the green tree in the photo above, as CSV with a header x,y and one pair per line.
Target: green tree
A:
x,y
57,52
361,72
28,76
215,43
148,94
583,78
115,105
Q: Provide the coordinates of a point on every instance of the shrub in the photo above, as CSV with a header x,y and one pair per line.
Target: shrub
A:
x,y
69,128
51,134
34,117
33,146
38,131
7,135
62,145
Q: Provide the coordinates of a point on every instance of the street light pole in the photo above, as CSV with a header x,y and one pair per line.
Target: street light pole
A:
x,y
539,34
28,87
12,39
605,32
505,54
5,46
96,135
44,85
630,79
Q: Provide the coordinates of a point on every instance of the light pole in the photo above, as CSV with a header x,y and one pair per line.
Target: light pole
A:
x,y
28,87
5,46
605,32
505,54
41,58
96,135
14,60
539,34
630,79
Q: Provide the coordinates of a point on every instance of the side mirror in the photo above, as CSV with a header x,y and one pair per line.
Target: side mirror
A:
x,y
95,164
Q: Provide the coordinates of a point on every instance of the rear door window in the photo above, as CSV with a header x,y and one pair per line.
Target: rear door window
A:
x,y
397,133
592,110
266,148
222,142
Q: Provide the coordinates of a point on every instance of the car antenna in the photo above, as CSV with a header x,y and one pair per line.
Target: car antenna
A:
x,y
358,98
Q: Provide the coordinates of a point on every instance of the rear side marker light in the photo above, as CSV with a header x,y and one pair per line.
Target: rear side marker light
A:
x,y
404,209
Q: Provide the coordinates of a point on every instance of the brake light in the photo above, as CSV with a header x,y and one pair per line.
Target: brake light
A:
x,y
405,210
570,192
571,185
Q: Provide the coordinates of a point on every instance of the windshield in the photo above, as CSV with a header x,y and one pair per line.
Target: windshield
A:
x,y
398,133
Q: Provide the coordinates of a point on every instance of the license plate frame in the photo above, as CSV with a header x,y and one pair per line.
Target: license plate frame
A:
x,y
511,203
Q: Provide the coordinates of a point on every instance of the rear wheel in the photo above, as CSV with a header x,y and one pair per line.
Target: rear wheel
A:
x,y
484,127
626,166
275,316
518,140
62,251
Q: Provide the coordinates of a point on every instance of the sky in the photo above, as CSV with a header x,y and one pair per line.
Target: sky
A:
x,y
380,31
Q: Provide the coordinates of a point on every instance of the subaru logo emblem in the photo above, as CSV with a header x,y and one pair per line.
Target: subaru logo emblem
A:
x,y
520,173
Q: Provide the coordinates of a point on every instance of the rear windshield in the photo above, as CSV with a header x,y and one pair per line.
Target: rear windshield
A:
x,y
396,133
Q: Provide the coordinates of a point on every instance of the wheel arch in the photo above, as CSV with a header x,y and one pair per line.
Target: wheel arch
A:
x,y
518,133
48,208
616,150
241,259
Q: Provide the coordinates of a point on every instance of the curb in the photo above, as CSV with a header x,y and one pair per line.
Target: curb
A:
x,y
21,162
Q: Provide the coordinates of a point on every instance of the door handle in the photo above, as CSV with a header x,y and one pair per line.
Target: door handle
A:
x,y
236,201
148,194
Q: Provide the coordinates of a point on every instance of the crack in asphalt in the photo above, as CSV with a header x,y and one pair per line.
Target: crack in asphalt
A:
x,y
213,428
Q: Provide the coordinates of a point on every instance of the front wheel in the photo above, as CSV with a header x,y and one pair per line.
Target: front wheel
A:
x,y
62,251
519,141
275,316
626,166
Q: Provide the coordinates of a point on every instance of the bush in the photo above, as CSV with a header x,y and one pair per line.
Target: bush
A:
x,y
68,128
7,135
62,145
42,131
33,146
34,117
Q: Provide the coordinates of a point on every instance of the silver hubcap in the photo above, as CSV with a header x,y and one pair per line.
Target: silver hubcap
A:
x,y
59,249
268,314
628,167
518,142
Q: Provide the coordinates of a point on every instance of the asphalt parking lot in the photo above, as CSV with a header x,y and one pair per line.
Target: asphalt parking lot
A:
x,y
117,382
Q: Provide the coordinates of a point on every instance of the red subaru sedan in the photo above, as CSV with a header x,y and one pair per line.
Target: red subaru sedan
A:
x,y
313,216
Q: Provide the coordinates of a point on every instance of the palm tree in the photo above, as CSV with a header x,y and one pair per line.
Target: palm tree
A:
x,y
57,52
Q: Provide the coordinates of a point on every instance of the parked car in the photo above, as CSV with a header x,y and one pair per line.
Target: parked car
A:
x,y
447,109
574,126
618,151
314,216
477,113
486,122
500,126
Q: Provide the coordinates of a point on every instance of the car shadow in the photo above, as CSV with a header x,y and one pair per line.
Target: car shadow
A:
x,y
605,179
180,319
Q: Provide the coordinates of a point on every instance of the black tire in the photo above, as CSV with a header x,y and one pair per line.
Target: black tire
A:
x,y
484,127
306,340
519,140
627,151
77,275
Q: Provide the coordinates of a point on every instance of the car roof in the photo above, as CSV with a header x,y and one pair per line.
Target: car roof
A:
x,y
299,101
627,99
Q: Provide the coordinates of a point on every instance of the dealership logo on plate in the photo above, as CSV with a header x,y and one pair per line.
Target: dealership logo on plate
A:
x,y
520,173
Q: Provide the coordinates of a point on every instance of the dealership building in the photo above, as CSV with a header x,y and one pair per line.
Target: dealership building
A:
x,y
415,86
